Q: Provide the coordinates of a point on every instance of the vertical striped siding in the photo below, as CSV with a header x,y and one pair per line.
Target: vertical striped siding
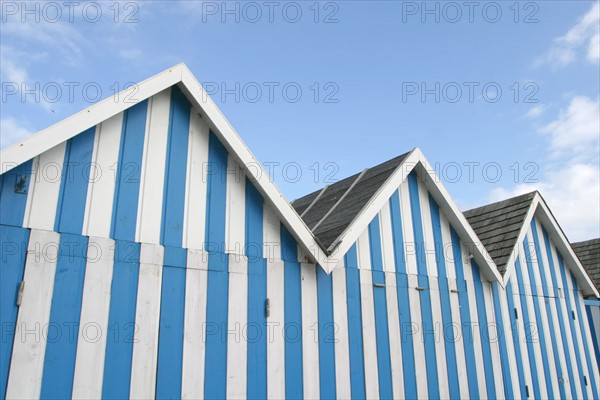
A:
x,y
593,314
193,324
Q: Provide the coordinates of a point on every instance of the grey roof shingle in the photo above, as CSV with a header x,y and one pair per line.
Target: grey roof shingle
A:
x,y
337,205
588,253
498,225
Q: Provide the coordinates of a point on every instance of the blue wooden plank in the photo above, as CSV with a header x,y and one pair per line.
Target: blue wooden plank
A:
x,y
216,187
121,321
530,331
448,330
327,331
63,326
292,286
175,170
563,273
172,315
503,345
74,183
548,308
465,316
488,364
425,296
408,354
128,172
215,384
13,251
516,341
589,309
257,295
586,344
14,188
559,311
384,367
538,317
355,337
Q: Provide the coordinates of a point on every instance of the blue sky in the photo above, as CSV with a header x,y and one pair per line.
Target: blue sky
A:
x,y
483,88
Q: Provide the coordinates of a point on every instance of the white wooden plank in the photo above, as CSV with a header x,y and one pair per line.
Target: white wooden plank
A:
x,y
310,332
271,234
194,346
363,251
29,348
417,336
93,324
393,314
44,187
147,320
511,342
387,239
150,203
275,325
235,227
237,318
194,221
492,336
407,229
101,185
459,344
342,347
367,306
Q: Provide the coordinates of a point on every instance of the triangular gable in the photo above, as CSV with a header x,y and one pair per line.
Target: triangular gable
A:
x,y
181,76
535,206
413,161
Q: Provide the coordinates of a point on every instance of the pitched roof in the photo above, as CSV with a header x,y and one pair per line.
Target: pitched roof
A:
x,y
501,226
498,226
589,255
330,210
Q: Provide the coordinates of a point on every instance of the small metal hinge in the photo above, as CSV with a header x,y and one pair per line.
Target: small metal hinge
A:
x,y
267,307
516,313
420,289
527,391
20,293
573,314
585,380
379,284
453,290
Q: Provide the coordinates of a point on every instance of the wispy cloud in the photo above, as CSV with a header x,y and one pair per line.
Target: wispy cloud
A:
x,y
582,40
11,131
535,111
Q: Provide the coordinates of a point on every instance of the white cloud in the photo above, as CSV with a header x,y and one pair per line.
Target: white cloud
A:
x,y
585,34
571,183
576,131
11,131
535,111
130,54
